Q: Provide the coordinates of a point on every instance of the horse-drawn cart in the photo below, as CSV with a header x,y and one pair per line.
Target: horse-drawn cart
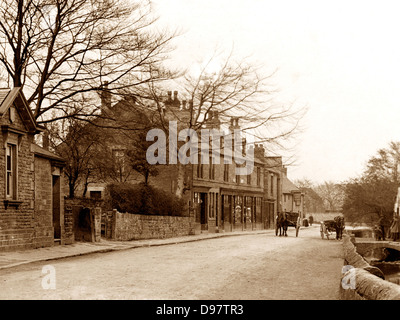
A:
x,y
285,220
329,226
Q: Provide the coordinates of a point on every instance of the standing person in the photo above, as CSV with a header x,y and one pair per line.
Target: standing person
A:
x,y
394,228
298,223
381,224
310,219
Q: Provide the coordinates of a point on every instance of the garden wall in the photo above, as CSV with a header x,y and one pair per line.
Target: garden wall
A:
x,y
127,226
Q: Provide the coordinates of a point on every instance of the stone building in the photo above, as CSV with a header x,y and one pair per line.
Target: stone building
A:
x,y
31,210
293,197
217,198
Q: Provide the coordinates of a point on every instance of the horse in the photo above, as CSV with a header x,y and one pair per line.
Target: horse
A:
x,y
281,224
339,226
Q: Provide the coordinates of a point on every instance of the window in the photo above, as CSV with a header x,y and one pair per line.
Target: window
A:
x,y
249,179
200,170
199,167
226,172
211,168
11,172
95,195
258,176
272,184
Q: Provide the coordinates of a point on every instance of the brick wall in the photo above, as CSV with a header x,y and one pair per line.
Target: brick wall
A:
x,y
126,226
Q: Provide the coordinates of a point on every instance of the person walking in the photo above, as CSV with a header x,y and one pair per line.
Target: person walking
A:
x,y
394,228
311,220
298,224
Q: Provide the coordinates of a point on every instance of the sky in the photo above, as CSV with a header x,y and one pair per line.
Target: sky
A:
x,y
339,59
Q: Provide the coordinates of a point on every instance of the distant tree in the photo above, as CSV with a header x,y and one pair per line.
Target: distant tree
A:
x,y
76,143
332,195
303,183
373,194
136,157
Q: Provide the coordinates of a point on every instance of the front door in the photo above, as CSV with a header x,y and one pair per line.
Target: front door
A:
x,y
56,197
203,211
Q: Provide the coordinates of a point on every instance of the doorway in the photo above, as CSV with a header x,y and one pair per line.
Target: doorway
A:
x,y
203,211
56,197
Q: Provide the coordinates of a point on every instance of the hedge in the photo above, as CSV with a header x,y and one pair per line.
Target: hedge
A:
x,y
143,199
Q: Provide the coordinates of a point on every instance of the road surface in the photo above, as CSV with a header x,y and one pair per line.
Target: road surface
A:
x,y
251,267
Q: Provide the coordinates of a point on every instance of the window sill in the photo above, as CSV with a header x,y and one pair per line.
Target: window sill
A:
x,y
12,203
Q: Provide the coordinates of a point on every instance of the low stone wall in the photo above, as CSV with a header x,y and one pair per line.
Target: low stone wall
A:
x,y
361,281
126,226
321,216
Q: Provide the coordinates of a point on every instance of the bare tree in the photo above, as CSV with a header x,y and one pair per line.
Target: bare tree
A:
x,y
77,143
332,193
236,90
61,51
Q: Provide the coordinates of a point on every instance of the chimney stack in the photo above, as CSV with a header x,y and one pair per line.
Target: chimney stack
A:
x,y
173,103
105,96
46,140
259,151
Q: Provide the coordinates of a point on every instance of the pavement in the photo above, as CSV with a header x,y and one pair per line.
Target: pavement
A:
x,y
21,257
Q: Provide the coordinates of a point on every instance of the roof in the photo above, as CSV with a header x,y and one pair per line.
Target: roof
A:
x,y
3,94
44,153
288,186
15,96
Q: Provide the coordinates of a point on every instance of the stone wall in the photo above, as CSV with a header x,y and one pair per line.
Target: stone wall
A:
x,y
82,220
43,217
361,281
16,222
321,216
126,226
69,235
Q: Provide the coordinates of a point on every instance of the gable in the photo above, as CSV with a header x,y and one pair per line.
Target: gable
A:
x,y
288,186
10,98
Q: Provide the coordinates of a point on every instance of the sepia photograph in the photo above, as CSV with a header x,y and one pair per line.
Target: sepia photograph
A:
x,y
199,158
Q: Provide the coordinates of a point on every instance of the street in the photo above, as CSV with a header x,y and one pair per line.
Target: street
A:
x,y
251,267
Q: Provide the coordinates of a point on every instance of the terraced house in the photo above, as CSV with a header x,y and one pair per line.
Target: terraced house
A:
x,y
217,198
31,206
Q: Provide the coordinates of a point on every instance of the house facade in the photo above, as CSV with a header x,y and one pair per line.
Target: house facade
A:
x,y
31,209
218,200
292,197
